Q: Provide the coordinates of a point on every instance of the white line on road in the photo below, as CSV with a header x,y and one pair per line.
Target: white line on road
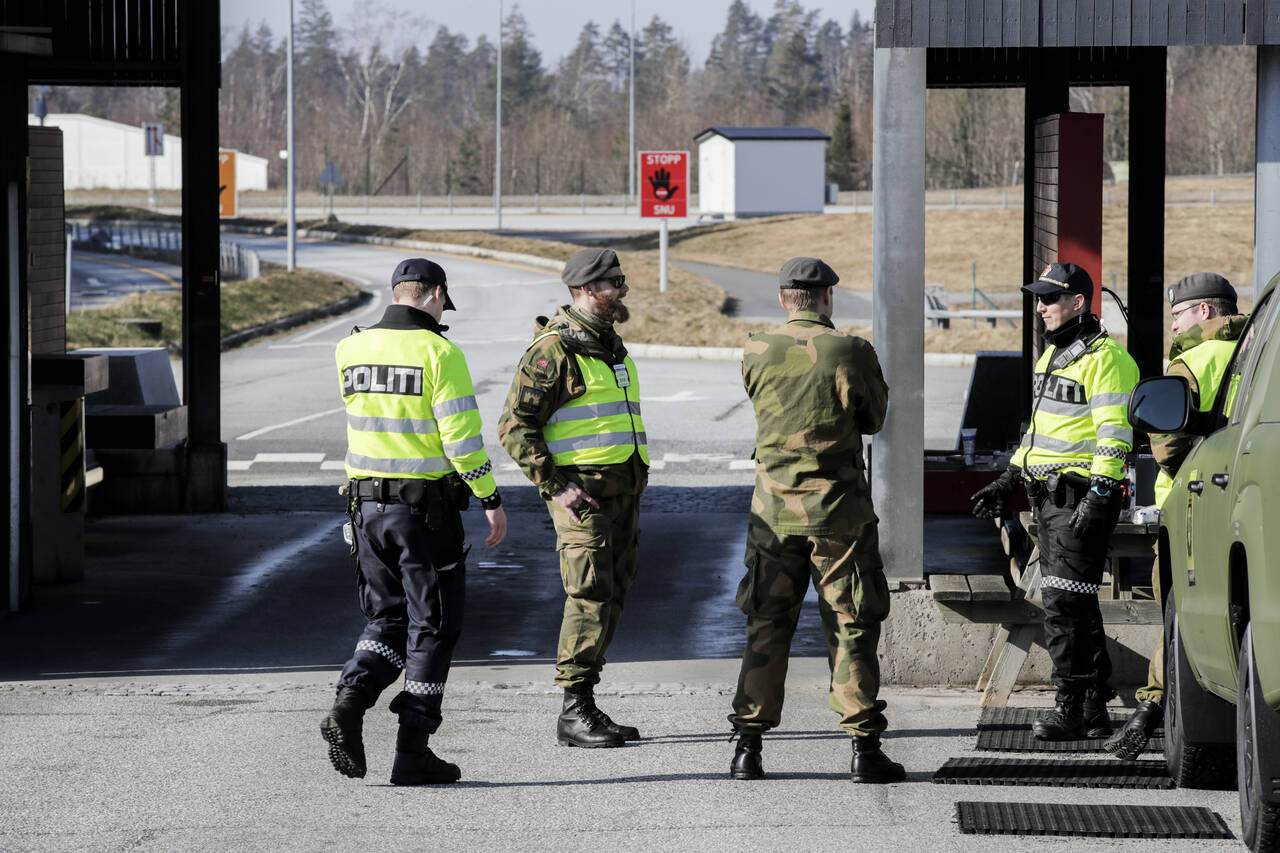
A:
x,y
333,465
302,420
289,457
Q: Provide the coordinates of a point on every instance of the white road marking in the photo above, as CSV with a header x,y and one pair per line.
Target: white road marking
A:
x,y
302,420
742,465
313,458
239,464
333,465
678,397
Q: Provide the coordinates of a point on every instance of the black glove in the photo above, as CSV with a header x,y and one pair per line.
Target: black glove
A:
x,y
990,501
1095,510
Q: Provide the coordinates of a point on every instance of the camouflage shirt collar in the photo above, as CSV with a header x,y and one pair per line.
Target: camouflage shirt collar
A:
x,y
1222,328
585,334
810,317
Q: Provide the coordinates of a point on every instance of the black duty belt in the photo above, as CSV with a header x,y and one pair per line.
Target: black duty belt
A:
x,y
384,490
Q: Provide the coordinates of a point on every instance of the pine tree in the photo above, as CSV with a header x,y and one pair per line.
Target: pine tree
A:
x,y
840,148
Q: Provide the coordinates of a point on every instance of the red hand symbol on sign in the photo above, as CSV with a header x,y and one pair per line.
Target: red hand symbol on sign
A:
x,y
660,180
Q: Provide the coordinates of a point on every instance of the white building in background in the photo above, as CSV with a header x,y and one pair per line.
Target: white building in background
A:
x,y
101,154
761,171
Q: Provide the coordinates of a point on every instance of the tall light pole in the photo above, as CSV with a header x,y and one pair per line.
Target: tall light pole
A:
x,y
292,228
631,145
497,160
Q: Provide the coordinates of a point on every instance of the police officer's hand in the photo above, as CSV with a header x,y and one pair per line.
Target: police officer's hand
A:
x,y
497,526
1092,514
572,498
991,500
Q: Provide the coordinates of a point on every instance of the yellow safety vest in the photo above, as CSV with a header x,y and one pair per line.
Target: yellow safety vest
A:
x,y
1207,361
603,426
411,408
1080,424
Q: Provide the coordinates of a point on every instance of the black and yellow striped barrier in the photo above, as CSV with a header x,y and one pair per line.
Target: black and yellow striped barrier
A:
x,y
71,449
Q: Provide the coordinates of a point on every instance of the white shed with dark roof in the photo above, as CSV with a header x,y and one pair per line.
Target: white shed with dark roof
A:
x,y
761,171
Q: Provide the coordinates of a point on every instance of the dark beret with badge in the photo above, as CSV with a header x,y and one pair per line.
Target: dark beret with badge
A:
x,y
428,272
1201,286
799,273
588,265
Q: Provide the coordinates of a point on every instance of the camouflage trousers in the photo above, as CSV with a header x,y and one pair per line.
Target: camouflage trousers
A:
x,y
598,562
1155,669
853,599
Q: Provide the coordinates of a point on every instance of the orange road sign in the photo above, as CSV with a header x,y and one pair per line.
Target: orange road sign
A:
x,y
226,184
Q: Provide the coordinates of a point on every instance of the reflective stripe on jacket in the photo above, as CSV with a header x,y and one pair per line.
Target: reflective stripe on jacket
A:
x,y
1080,423
411,408
603,426
1207,362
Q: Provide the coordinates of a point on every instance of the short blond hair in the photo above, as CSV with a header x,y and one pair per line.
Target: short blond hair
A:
x,y
410,291
801,298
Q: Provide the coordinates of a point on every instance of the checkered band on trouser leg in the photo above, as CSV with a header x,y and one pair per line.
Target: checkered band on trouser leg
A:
x,y
1071,586
382,649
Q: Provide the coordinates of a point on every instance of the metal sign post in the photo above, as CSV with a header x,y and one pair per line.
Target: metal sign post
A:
x,y
664,193
153,140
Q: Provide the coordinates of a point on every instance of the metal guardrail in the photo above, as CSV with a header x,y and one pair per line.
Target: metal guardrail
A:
x,y
158,241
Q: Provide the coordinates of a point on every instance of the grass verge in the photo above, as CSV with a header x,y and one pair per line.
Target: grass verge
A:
x,y
244,304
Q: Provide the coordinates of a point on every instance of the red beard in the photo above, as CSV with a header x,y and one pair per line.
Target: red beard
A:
x,y
609,308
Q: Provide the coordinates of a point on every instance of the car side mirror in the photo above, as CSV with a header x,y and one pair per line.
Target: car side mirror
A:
x,y
1162,404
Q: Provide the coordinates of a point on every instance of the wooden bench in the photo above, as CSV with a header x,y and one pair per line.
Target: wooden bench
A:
x,y
987,599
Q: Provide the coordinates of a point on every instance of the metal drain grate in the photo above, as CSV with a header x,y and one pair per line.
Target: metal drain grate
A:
x,y
1009,730
1054,772
1092,821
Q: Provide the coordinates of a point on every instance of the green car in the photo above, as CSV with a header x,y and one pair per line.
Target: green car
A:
x,y
1220,571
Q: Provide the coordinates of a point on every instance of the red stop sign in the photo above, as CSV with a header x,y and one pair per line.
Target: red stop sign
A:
x,y
664,183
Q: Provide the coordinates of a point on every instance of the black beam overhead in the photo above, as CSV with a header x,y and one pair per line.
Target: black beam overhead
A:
x,y
1146,211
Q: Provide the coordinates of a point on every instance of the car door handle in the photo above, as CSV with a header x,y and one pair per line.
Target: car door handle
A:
x,y
1220,480
1195,486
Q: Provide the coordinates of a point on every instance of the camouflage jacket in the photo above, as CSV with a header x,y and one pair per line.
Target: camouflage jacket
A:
x,y
1170,449
546,378
816,392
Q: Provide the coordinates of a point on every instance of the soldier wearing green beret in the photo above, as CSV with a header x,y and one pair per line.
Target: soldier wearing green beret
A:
x,y
572,423
816,392
1206,325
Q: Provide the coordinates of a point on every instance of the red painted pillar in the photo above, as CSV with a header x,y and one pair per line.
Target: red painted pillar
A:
x,y
1068,194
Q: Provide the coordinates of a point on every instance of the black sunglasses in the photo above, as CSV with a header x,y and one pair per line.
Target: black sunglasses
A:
x,y
616,280
1050,298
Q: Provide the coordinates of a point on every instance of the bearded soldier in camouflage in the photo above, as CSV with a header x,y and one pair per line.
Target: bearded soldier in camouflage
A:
x,y
572,423
816,393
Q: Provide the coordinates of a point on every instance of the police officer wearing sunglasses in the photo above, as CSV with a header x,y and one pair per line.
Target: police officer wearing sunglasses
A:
x,y
1072,461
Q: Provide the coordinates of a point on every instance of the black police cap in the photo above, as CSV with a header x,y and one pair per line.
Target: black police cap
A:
x,y
428,272
806,272
1062,278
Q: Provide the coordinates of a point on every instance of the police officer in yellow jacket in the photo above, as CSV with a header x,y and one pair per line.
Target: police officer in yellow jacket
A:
x,y
1206,326
414,457
572,422
1072,459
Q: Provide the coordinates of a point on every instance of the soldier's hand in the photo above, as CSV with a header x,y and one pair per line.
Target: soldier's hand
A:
x,y
572,498
497,526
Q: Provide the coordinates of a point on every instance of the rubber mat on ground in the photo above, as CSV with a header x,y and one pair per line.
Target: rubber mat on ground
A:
x,y
1009,730
1095,821
1055,772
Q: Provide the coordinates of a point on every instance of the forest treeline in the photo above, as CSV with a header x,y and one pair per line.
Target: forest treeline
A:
x,y
403,106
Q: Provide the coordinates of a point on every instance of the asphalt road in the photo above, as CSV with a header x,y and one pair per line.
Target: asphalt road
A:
x,y
99,279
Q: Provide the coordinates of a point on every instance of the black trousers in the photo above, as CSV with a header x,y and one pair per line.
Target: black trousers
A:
x,y
1071,573
411,583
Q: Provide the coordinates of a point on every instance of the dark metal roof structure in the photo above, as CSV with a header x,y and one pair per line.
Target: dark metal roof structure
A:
x,y
1075,23
101,42
737,133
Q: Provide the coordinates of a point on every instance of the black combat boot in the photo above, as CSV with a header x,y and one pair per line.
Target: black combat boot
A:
x,y
871,765
416,764
582,723
1064,722
1132,738
342,728
746,758
625,732
1097,721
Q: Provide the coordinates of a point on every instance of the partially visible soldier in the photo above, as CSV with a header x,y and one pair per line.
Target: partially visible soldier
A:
x,y
572,423
414,454
816,392
1206,325
1073,460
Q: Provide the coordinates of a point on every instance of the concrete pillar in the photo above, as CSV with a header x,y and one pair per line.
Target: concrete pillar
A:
x,y
897,251
1266,199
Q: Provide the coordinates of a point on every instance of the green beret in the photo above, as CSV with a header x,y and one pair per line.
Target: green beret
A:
x,y
587,266
806,272
1201,285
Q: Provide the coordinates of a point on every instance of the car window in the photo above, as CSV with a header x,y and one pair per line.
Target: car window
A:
x,y
1245,361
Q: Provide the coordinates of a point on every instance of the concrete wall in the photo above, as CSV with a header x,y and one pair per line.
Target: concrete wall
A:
x,y
779,176
46,242
101,154
716,176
